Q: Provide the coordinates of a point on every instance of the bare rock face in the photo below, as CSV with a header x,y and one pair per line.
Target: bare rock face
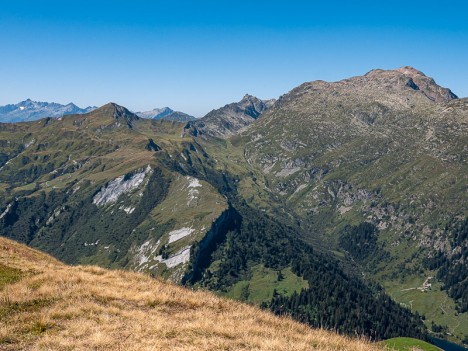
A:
x,y
228,120
427,85
416,80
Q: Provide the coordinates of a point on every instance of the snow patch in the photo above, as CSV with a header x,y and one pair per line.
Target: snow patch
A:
x,y
179,234
119,186
194,183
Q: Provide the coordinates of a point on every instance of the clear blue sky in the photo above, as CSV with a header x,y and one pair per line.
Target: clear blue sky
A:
x,y
198,55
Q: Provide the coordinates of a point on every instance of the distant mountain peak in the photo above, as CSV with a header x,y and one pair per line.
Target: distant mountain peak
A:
x,y
30,110
112,115
231,118
166,113
116,110
249,97
156,113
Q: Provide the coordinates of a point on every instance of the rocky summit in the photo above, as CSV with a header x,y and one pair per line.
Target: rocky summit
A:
x,y
228,120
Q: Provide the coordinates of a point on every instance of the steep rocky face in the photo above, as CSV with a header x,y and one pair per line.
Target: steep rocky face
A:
x,y
414,79
427,85
122,114
228,120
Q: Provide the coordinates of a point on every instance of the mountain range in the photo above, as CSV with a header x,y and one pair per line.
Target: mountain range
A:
x,y
29,110
340,204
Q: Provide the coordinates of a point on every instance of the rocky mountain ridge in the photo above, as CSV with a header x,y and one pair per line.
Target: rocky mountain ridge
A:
x,y
230,119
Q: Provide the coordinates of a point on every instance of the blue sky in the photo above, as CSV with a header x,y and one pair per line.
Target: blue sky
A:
x,y
199,55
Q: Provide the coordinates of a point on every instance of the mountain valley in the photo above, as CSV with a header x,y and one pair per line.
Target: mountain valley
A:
x,y
340,204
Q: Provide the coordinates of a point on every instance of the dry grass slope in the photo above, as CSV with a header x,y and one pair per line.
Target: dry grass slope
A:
x,y
58,307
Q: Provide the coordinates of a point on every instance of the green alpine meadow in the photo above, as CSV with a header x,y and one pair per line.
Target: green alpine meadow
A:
x,y
341,205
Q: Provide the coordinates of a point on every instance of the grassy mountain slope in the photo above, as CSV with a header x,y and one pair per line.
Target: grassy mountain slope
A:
x,y
55,307
179,117
387,149
112,189
100,188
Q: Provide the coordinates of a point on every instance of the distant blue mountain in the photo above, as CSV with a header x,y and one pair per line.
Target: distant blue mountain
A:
x,y
166,113
29,110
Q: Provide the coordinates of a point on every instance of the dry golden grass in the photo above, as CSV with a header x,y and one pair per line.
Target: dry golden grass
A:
x,y
59,307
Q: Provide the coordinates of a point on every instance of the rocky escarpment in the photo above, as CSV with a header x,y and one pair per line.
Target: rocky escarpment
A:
x,y
228,120
201,252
